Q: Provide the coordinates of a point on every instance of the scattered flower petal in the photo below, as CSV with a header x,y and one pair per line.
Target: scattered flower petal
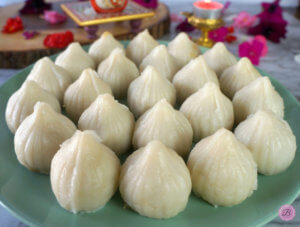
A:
x,y
54,17
252,50
244,20
59,40
218,35
148,3
263,40
185,26
230,38
13,25
29,34
176,17
35,7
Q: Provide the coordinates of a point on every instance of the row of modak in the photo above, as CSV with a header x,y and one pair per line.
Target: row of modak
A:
x,y
214,91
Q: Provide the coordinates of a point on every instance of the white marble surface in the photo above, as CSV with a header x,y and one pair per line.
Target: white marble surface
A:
x,y
279,63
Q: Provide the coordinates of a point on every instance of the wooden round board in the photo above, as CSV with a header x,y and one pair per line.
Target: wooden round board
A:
x,y
16,52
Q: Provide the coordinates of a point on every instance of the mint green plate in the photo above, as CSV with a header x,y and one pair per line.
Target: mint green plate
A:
x,y
29,197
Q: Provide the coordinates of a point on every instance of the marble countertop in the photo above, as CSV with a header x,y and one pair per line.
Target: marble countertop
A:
x,y
279,63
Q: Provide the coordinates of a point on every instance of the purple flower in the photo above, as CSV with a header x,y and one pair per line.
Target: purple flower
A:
x,y
185,26
148,3
218,35
272,24
251,49
29,34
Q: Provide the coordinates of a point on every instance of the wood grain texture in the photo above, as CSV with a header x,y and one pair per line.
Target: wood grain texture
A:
x,y
16,52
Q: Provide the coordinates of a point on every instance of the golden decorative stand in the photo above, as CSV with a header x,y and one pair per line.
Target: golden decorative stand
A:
x,y
205,26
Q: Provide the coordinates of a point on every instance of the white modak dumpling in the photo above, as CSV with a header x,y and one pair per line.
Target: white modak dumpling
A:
x,y
238,76
183,49
83,92
208,110
192,77
118,71
112,121
84,173
162,122
140,46
222,169
39,136
270,139
146,90
219,58
164,62
155,181
21,103
74,59
103,46
50,77
258,95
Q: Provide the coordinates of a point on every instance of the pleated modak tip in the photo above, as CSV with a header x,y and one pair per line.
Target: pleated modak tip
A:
x,y
112,121
74,59
238,76
219,58
21,103
222,169
146,90
164,62
163,188
83,92
270,139
84,173
258,95
208,110
102,47
118,71
183,49
192,77
50,77
140,46
39,136
162,122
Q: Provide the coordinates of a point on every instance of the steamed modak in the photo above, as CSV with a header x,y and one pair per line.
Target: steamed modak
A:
x,y
192,77
103,46
219,58
112,121
50,77
258,95
38,137
118,71
238,76
84,173
162,122
164,62
270,139
183,49
146,90
140,46
155,181
208,110
21,103
83,92
222,169
74,59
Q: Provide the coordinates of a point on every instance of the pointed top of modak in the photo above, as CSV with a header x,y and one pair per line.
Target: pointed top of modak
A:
x,y
74,59
140,46
50,77
219,58
183,49
164,62
103,46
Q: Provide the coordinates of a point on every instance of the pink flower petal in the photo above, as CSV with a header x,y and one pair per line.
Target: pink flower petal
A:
x,y
54,17
263,40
